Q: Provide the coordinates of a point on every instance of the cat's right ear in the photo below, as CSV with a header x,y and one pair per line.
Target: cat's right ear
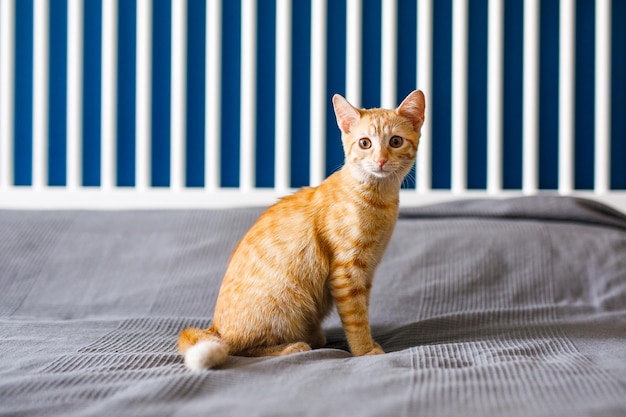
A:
x,y
346,114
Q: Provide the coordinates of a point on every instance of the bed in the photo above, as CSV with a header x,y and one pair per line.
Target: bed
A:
x,y
502,291
508,307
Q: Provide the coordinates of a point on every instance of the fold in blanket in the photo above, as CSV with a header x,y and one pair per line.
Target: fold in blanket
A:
x,y
567,209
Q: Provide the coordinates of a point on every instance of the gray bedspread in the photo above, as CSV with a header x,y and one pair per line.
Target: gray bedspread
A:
x,y
486,308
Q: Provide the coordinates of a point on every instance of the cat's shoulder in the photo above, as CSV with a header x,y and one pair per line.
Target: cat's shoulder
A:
x,y
293,203
308,198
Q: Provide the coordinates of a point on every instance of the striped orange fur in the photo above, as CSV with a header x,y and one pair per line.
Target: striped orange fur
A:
x,y
316,247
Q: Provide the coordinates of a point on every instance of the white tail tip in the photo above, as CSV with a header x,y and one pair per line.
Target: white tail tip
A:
x,y
206,354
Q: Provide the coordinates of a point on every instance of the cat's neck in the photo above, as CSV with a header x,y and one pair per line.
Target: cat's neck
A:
x,y
377,191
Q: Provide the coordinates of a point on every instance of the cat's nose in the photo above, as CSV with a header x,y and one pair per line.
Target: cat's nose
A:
x,y
382,162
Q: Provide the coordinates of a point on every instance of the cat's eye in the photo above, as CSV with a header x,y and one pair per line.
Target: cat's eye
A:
x,y
365,143
396,141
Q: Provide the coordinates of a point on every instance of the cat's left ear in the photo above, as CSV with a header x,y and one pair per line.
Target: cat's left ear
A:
x,y
413,108
346,114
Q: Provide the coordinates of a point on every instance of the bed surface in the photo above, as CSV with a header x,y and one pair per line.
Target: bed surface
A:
x,y
487,308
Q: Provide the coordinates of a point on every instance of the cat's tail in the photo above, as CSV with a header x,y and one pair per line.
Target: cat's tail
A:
x,y
202,349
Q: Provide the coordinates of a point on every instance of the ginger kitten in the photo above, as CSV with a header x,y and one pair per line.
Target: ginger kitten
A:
x,y
318,246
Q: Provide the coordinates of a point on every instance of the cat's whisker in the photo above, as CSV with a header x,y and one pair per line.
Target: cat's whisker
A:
x,y
406,180
410,178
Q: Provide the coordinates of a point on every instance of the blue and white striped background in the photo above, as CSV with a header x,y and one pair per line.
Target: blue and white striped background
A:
x,y
230,100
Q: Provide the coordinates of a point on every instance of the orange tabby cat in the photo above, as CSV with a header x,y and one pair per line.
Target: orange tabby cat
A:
x,y
318,246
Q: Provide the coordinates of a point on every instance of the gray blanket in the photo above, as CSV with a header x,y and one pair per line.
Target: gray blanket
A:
x,y
486,308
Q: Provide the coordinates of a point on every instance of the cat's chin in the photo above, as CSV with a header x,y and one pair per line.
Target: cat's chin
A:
x,y
366,174
379,175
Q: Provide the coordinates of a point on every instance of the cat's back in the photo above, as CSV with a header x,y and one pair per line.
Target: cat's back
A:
x,y
279,262
291,216
282,233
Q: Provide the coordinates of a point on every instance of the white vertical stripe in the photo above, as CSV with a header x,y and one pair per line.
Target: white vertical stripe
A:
x,y
283,95
530,165
178,88
567,42
143,93
318,92
424,83
603,97
459,95
7,79
41,31
213,93
495,48
75,36
248,95
389,48
109,94
354,16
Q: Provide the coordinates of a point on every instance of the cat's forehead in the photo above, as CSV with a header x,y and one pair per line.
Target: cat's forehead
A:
x,y
381,123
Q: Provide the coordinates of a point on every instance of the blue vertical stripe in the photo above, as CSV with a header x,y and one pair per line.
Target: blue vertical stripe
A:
x,y
57,125
407,60
300,86
371,53
126,67
265,93
513,81
407,49
548,94
618,96
335,80
196,85
441,94
584,93
161,93
231,76
92,95
23,127
477,96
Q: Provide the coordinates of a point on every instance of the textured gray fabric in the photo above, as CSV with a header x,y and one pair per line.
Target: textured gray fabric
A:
x,y
486,308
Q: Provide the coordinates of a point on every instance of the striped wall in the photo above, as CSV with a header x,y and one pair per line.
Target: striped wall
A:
x,y
211,95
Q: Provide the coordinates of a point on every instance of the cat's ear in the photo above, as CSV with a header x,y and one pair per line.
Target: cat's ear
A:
x,y
346,114
413,108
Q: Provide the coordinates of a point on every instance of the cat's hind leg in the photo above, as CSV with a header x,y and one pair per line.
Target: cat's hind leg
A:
x,y
276,350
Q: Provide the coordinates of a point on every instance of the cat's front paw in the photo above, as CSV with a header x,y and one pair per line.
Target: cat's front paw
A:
x,y
376,350
295,348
